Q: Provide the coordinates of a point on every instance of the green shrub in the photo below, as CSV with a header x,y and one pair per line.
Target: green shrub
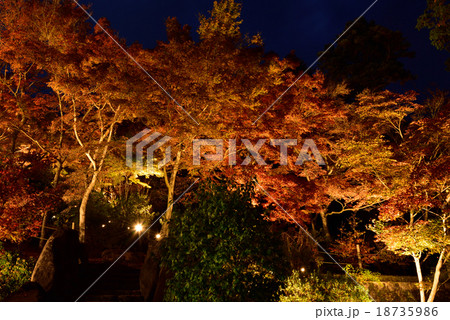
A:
x,y
14,272
362,275
321,288
220,248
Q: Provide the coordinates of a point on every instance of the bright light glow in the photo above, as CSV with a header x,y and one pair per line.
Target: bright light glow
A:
x,y
103,225
302,269
138,227
158,236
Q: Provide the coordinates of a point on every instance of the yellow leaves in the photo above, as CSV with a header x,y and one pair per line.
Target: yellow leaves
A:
x,y
386,108
275,68
257,40
408,240
340,89
223,21
91,61
258,91
363,156
135,179
217,79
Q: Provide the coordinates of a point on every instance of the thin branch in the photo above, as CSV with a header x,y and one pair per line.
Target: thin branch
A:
x,y
33,140
92,161
75,125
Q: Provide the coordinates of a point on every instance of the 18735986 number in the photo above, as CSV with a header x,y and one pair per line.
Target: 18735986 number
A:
x,y
407,311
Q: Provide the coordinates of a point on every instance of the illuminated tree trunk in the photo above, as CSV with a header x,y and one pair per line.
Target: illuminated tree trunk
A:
x,y
323,216
170,183
44,225
45,217
419,277
358,254
96,163
91,185
89,189
83,206
437,274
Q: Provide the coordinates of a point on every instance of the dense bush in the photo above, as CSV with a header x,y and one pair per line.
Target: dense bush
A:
x,y
14,272
220,248
315,287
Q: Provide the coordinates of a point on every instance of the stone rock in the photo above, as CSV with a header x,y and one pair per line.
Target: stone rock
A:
x,y
149,276
57,268
164,276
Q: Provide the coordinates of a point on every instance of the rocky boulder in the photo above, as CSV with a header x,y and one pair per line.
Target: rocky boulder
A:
x,y
149,276
57,269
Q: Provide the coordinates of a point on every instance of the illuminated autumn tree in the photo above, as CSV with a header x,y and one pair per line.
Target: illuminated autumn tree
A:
x,y
101,92
31,112
216,83
92,82
415,220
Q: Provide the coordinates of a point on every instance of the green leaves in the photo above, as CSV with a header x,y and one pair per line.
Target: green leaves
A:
x,y
436,18
14,272
321,288
220,248
423,236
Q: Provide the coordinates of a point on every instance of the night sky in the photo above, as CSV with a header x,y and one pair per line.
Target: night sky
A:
x,y
303,26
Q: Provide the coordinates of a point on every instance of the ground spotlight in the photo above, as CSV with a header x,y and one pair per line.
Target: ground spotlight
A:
x,y
138,227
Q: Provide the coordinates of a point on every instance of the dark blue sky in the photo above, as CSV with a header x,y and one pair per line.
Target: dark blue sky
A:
x,y
303,26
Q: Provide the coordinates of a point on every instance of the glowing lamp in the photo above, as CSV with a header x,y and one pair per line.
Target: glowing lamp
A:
x,y
302,269
138,227
158,236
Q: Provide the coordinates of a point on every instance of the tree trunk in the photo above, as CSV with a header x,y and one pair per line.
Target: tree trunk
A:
x,y
57,173
14,140
358,253
437,274
83,206
313,225
411,219
323,216
170,183
44,225
45,218
91,185
89,189
420,278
